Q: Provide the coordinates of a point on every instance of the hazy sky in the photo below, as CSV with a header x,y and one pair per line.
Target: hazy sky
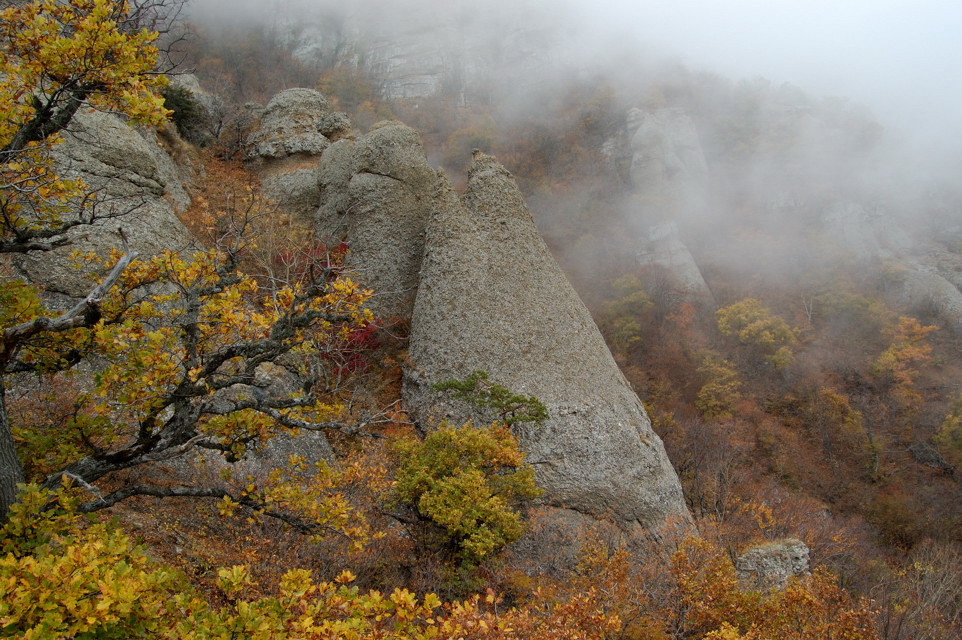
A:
x,y
902,58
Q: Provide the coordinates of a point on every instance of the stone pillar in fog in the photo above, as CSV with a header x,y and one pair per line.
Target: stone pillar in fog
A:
x,y
491,297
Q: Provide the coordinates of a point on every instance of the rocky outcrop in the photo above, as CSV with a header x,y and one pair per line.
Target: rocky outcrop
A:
x,y
668,175
136,183
483,292
416,50
864,233
491,297
921,276
376,193
667,162
924,288
662,248
296,122
772,565
294,130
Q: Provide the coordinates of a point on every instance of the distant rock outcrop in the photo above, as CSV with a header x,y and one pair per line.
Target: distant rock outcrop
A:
x,y
922,276
491,297
667,162
770,566
135,180
864,233
669,177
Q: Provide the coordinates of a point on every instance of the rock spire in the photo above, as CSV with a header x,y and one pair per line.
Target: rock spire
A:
x,y
491,297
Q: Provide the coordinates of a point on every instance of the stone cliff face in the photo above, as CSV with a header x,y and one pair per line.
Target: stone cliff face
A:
x,y
491,297
426,49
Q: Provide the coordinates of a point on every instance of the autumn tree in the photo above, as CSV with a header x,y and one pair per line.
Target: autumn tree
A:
x,y
948,437
56,58
623,316
900,364
721,389
756,326
468,482
185,344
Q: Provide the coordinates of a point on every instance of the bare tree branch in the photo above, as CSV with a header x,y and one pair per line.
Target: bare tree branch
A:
x,y
84,314
109,500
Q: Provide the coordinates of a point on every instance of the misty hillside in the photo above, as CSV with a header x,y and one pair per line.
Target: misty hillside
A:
x,y
440,320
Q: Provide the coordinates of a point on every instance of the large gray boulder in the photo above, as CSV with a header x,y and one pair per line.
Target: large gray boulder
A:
x,y
492,298
772,565
296,121
376,193
293,131
136,184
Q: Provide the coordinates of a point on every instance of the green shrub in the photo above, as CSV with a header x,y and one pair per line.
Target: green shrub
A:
x,y
469,482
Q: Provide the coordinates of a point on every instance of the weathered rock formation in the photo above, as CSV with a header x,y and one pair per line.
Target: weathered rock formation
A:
x,y
296,121
376,193
922,275
295,128
416,50
491,297
668,174
136,181
667,162
770,566
483,292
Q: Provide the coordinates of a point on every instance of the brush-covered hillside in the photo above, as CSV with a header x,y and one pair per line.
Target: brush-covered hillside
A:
x,y
353,322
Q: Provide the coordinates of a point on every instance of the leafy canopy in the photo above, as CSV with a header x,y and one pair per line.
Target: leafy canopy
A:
x,y
755,325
